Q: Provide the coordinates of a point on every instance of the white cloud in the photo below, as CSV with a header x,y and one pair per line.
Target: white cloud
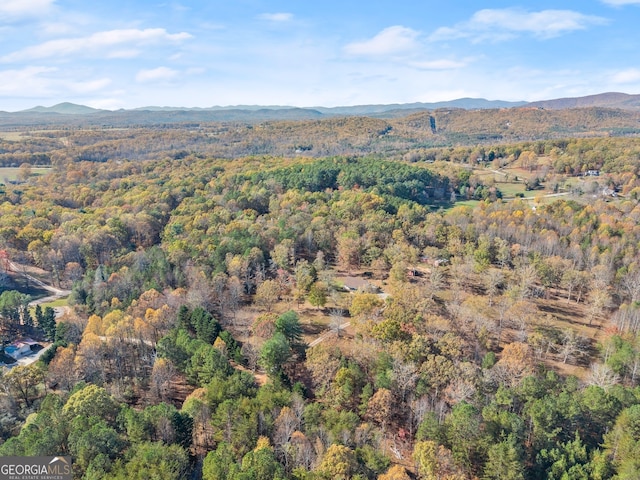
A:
x,y
124,53
37,81
56,28
276,17
442,64
160,74
18,9
502,24
69,24
29,81
391,40
630,75
621,2
89,86
93,44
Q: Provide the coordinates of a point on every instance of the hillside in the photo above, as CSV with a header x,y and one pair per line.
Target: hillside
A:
x,y
100,136
65,108
605,100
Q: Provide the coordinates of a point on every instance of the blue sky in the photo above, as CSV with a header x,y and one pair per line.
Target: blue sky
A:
x,y
127,54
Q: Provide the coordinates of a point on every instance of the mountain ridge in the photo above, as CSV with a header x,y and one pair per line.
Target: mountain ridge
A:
x,y
64,108
464,103
79,115
607,99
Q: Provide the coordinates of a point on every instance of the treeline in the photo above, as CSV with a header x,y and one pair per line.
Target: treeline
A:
x,y
391,138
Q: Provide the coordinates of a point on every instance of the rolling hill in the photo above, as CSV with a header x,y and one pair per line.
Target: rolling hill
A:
x,y
608,100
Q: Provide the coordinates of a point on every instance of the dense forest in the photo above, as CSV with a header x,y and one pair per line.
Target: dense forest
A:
x,y
406,135
332,299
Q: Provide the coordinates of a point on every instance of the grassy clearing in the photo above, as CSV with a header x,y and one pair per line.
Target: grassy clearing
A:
x,y
487,176
13,136
467,203
511,189
61,302
509,180
13,173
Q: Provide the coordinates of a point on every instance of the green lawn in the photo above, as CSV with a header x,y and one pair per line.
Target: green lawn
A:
x,y
61,302
467,203
510,190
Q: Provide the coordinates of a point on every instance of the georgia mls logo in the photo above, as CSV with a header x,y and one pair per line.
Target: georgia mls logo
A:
x,y
35,468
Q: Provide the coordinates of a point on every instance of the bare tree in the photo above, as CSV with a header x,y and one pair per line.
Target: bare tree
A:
x,y
572,347
601,276
267,294
304,453
336,319
602,376
161,376
200,289
526,278
503,252
418,408
233,295
599,301
250,353
405,375
627,318
493,280
286,423
630,284
459,390
571,278
503,305
218,287
436,281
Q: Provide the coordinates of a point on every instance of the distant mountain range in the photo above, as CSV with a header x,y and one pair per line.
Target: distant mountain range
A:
x,y
70,113
67,108
608,100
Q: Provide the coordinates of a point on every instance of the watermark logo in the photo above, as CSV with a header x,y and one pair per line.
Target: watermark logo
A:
x,y
35,468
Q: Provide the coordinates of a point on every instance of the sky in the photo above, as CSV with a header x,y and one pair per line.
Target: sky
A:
x,y
129,54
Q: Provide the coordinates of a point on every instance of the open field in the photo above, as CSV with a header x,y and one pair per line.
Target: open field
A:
x,y
61,302
466,203
511,180
13,173
13,136
511,189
